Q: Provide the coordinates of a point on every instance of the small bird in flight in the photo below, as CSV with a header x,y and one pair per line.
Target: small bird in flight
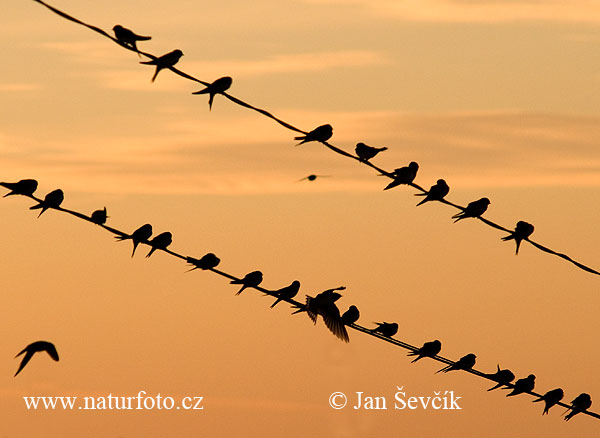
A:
x,y
167,60
160,242
429,349
351,315
287,292
322,133
503,377
127,38
25,187
403,175
52,200
551,398
474,209
33,348
464,363
437,192
388,329
522,231
324,304
217,87
582,402
365,152
313,177
523,385
142,234
208,261
99,217
251,279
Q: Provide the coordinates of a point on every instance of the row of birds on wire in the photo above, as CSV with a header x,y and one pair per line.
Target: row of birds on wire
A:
x,y
322,304
364,153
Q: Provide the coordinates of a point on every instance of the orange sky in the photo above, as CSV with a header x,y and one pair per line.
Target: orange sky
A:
x,y
498,98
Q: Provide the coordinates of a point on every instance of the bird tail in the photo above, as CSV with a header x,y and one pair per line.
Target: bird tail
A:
x,y
509,237
203,91
143,38
123,237
444,370
35,207
155,74
276,301
151,62
423,201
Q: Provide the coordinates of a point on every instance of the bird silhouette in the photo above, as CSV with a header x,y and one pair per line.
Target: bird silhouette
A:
x,y
522,231
128,38
365,152
142,234
437,192
429,349
161,241
207,261
582,402
403,175
474,209
324,304
388,329
503,377
464,363
351,315
287,292
25,187
322,133
52,200
167,60
252,279
313,177
36,347
217,87
523,385
551,398
99,217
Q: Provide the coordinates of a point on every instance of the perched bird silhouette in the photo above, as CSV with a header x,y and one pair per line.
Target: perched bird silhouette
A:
x,y
324,304
166,61
522,231
207,261
429,349
437,192
503,377
351,315
365,152
551,398
287,293
252,279
464,363
128,38
142,234
52,200
388,329
99,217
25,187
217,87
160,242
313,177
322,133
33,348
403,175
474,209
582,402
523,385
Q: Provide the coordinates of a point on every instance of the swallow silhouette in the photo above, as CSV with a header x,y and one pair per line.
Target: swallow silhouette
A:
x,y
582,402
313,177
165,61
208,261
252,279
474,209
522,231
365,152
142,234
287,293
25,187
464,363
33,348
52,200
551,398
437,192
523,385
403,175
322,133
429,349
99,217
128,38
324,304
388,329
351,315
503,377
160,242
217,87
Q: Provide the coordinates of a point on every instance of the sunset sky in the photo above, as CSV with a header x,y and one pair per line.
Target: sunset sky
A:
x,y
499,98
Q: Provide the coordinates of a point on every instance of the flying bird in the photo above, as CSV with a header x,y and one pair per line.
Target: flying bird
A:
x,y
160,242
142,234
165,61
582,402
503,377
474,209
287,292
217,87
429,349
322,133
313,177
25,187
324,304
208,261
251,279
128,38
403,175
523,385
551,398
437,192
351,315
388,329
464,363
365,152
99,217
33,348
52,200
522,231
